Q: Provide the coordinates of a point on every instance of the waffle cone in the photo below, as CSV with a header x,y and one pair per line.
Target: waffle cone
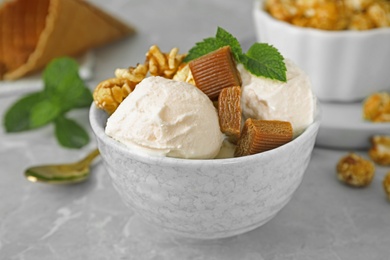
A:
x,y
34,32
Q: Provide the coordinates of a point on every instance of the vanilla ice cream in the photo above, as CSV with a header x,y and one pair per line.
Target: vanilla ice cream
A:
x,y
267,99
167,118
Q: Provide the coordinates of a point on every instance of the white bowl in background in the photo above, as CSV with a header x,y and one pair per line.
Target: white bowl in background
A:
x,y
344,66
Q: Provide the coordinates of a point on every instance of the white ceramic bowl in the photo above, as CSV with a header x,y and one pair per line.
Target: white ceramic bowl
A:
x,y
344,66
206,199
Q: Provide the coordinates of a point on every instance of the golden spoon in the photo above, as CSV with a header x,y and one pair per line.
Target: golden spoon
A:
x,y
62,173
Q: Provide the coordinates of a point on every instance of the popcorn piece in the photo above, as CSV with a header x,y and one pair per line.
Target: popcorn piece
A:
x,y
361,22
163,64
229,112
110,93
330,14
386,185
354,170
262,135
379,13
376,107
321,14
358,5
380,150
282,10
214,71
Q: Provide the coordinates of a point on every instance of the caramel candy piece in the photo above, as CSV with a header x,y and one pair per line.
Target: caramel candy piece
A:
x,y
229,112
262,135
214,71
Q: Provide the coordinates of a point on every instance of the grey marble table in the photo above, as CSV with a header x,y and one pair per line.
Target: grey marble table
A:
x,y
325,220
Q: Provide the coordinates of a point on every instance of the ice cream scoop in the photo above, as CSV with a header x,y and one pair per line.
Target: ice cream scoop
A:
x,y
268,99
168,118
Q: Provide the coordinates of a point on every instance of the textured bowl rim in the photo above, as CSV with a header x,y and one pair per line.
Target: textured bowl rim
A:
x,y
97,115
259,10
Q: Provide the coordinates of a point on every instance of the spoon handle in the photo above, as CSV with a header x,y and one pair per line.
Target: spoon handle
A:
x,y
92,155
62,173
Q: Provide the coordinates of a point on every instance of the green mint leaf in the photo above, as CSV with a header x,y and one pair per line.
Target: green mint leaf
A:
x,y
85,99
63,91
221,39
17,117
44,112
69,133
264,60
63,83
202,48
261,59
224,38
57,70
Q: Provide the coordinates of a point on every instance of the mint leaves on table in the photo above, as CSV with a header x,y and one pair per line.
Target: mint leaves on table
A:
x,y
63,91
261,59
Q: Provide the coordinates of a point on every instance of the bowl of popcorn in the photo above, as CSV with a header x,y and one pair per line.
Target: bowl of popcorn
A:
x,y
342,45
202,144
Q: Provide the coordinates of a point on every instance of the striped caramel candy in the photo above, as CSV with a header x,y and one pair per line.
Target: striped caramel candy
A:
x,y
262,135
214,71
229,112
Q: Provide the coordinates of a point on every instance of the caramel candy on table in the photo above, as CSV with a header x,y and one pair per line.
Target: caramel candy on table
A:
x,y
214,71
354,170
262,135
229,112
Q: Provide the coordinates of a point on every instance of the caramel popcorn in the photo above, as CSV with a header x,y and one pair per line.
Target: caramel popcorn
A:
x,y
379,13
386,185
380,150
376,107
354,170
331,14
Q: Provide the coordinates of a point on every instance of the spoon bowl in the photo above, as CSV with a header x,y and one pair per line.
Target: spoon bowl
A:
x,y
62,173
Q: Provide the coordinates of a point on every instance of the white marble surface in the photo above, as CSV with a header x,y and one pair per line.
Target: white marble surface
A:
x,y
324,219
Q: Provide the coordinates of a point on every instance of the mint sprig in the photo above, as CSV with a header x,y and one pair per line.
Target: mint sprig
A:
x,y
264,60
63,91
261,59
